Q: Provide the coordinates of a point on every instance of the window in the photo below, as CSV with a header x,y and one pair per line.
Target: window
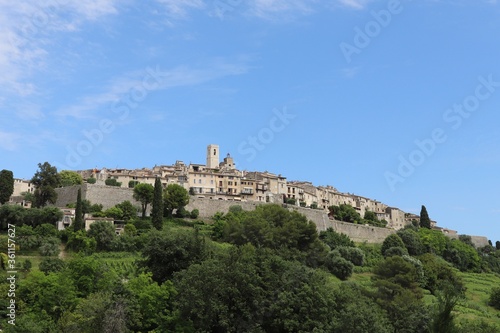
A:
x,y
215,152
199,181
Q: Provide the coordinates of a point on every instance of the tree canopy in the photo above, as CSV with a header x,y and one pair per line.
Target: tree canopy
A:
x,y
45,181
144,194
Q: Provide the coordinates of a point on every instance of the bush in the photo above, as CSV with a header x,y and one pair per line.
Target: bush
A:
x,y
353,254
334,239
112,182
49,265
395,251
393,240
495,298
182,212
49,247
195,213
91,180
339,266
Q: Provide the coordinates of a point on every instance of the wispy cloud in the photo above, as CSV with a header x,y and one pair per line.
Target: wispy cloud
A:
x,y
120,89
355,4
272,9
179,9
27,32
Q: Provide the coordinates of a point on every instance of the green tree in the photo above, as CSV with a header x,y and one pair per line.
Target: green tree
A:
x,y
494,300
48,265
6,185
129,211
345,213
334,239
91,180
114,212
157,211
79,224
132,183
448,298
393,240
112,182
425,221
45,180
144,193
175,197
168,252
70,178
104,234
49,246
411,241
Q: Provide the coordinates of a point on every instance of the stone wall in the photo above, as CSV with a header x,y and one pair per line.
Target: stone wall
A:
x,y
357,232
109,196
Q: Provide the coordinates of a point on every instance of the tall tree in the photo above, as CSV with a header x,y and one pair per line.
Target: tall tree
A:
x,y
79,223
157,213
45,180
70,178
175,197
425,221
6,185
144,194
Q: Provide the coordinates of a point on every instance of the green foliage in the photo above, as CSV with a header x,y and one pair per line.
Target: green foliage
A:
x,y
356,313
80,242
393,240
112,182
49,246
53,293
291,201
462,256
395,251
433,241
466,239
157,211
436,272
129,211
132,183
345,213
6,185
114,212
91,180
182,212
314,205
27,265
79,224
174,197
371,216
352,254
334,239
411,241
103,232
339,266
167,252
494,300
144,193
51,265
425,221
150,304
249,290
90,275
194,213
70,178
448,298
45,180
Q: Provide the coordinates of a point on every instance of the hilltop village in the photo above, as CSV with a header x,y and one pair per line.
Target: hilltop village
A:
x,y
221,180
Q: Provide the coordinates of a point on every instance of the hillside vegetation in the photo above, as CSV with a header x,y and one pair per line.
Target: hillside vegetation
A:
x,y
262,271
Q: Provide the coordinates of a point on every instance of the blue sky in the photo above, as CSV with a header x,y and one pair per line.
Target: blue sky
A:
x,y
394,100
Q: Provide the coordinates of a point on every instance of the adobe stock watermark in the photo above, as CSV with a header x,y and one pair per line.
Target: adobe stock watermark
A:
x,y
222,7
121,110
41,18
363,37
253,144
454,117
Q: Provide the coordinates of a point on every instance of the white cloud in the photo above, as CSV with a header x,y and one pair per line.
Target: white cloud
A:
x,y
355,4
179,8
272,9
122,89
27,33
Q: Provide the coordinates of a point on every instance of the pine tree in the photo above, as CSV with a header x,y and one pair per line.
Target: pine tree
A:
x,y
157,213
425,221
79,224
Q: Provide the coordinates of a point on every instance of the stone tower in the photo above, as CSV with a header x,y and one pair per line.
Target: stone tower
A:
x,y
213,156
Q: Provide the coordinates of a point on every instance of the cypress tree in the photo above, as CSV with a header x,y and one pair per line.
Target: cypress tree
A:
x,y
425,221
6,185
157,212
79,224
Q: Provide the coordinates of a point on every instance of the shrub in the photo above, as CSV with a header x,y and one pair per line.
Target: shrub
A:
x,y
495,298
339,266
195,213
393,240
354,255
